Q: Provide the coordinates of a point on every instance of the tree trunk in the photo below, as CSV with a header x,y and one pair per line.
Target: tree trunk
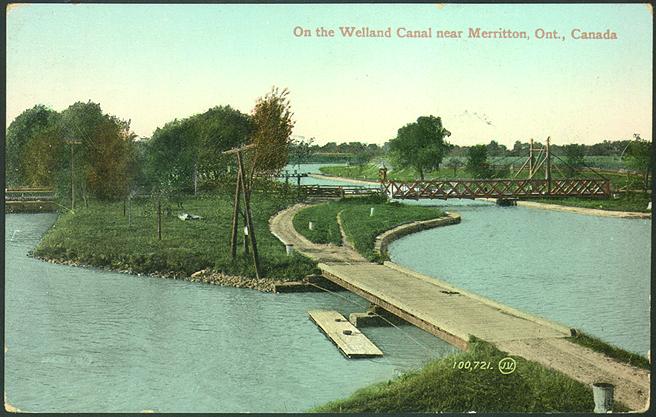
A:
x,y
646,180
421,174
195,178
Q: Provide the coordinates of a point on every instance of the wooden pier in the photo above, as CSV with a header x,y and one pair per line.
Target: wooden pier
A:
x,y
437,307
350,341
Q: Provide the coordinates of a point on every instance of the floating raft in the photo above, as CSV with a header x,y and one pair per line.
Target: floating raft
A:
x,y
350,341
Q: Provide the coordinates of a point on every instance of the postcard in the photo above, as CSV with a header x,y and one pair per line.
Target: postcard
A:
x,y
298,208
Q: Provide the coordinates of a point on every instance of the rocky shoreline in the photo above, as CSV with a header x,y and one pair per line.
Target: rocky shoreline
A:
x,y
206,276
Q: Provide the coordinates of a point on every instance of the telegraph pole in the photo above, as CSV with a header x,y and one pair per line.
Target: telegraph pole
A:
x,y
531,160
547,166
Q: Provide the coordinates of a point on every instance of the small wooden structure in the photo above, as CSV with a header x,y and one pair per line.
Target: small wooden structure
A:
x,y
29,200
350,341
240,191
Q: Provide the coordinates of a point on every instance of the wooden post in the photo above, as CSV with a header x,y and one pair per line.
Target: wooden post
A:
x,y
159,218
547,168
246,240
235,220
249,219
195,177
72,182
531,160
298,184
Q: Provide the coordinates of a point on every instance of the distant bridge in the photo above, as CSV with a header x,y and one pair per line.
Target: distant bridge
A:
x,y
29,200
497,188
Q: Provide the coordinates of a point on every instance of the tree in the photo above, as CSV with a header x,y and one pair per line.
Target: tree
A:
x,y
574,158
495,149
455,164
300,151
21,131
421,144
272,127
639,157
477,164
220,128
43,154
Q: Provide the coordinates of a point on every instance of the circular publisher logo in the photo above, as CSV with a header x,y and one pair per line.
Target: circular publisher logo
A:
x,y
507,366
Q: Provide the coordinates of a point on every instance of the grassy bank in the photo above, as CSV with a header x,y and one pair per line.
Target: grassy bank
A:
x,y
441,387
611,351
360,228
636,202
100,236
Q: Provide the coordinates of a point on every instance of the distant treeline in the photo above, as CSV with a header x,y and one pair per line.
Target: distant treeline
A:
x,y
356,152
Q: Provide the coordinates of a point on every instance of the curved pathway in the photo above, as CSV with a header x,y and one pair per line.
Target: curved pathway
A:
x,y
454,314
282,227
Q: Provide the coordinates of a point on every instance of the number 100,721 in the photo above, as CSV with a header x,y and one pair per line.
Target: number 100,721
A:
x,y
472,365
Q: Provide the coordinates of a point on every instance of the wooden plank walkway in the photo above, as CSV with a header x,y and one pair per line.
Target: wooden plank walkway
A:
x,y
450,314
350,341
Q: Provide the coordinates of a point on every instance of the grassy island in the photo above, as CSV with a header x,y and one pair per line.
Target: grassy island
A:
x,y
100,236
359,227
441,386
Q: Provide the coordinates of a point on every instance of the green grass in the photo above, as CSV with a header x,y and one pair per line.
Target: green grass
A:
x,y
611,351
439,387
100,236
360,228
636,202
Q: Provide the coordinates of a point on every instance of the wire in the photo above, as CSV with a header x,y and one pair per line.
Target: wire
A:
x,y
386,320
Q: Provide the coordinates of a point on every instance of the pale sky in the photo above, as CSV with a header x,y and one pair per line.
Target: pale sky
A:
x,y
154,63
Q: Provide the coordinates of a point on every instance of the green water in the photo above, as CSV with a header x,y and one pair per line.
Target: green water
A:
x,y
81,340
590,273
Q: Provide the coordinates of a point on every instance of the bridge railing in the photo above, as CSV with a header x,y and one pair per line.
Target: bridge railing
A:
x,y
497,188
29,194
337,190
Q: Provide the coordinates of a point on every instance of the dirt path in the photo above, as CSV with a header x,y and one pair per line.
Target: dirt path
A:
x,y
586,366
282,227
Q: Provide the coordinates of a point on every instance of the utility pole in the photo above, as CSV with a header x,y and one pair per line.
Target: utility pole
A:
x,y
72,181
547,166
531,159
249,230
72,142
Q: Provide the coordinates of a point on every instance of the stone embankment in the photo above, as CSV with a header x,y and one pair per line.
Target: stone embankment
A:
x,y
383,240
206,276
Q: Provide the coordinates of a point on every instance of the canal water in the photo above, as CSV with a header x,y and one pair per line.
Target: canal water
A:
x,y
590,273
82,340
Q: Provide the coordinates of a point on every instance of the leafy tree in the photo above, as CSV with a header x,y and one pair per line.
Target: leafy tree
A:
x,y
477,163
495,149
43,154
172,155
220,128
639,156
574,158
455,164
421,144
273,124
21,131
300,151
